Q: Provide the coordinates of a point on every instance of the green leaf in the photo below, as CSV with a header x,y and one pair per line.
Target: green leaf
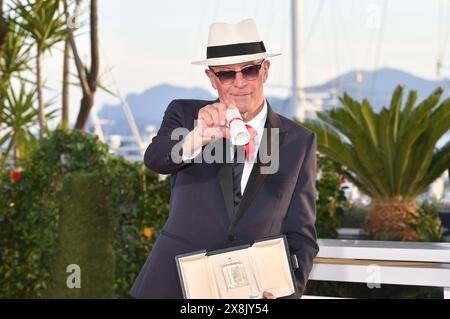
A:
x,y
395,109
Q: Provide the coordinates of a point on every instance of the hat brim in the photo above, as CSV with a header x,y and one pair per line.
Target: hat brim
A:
x,y
235,59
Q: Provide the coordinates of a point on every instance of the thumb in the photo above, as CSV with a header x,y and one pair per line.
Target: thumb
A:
x,y
268,295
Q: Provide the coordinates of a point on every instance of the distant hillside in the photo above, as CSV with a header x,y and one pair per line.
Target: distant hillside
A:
x,y
148,107
377,86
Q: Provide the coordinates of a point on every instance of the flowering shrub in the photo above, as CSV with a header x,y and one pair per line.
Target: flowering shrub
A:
x,y
331,200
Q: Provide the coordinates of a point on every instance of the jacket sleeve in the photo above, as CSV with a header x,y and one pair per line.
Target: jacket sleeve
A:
x,y
158,156
299,224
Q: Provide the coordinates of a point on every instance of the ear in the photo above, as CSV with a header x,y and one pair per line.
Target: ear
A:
x,y
266,67
212,78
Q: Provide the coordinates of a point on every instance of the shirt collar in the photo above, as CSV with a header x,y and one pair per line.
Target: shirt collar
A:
x,y
259,120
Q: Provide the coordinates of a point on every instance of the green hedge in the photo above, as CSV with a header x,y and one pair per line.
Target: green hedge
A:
x,y
30,211
85,239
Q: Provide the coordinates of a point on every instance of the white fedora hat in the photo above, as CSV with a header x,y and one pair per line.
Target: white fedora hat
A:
x,y
234,43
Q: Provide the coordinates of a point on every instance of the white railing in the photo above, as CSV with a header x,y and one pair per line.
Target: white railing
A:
x,y
383,262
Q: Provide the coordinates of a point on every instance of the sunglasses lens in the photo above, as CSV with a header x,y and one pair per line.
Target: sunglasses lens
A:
x,y
226,76
251,73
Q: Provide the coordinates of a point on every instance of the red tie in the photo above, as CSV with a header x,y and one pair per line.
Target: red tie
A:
x,y
250,146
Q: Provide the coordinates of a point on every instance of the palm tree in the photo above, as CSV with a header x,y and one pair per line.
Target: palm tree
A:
x,y
45,23
20,116
88,77
391,155
66,73
15,57
13,62
3,29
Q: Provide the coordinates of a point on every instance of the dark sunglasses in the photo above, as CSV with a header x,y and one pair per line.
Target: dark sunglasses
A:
x,y
250,73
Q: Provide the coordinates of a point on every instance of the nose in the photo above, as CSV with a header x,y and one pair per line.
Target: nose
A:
x,y
239,80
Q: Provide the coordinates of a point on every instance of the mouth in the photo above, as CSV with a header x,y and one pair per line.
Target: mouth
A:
x,y
241,95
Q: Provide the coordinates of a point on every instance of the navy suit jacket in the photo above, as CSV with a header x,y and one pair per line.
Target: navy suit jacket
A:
x,y
201,203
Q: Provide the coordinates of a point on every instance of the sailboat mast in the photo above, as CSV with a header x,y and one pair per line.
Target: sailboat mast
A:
x,y
296,33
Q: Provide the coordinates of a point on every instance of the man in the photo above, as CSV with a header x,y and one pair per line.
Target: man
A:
x,y
224,204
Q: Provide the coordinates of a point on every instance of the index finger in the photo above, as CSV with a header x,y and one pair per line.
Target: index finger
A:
x,y
229,103
222,108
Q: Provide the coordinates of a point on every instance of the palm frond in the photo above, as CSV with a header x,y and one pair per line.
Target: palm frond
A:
x,y
391,153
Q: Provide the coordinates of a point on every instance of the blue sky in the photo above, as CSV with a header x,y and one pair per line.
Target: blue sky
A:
x,y
145,43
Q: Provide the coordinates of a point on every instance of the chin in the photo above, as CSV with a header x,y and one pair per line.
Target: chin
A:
x,y
243,108
243,104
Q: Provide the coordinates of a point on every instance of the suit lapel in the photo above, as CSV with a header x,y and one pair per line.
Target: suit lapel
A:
x,y
225,175
256,179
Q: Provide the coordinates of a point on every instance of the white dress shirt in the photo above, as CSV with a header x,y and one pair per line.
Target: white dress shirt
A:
x,y
258,124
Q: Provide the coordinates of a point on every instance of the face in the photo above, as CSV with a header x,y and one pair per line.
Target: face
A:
x,y
247,94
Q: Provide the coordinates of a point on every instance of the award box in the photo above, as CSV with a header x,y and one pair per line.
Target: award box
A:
x,y
241,272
